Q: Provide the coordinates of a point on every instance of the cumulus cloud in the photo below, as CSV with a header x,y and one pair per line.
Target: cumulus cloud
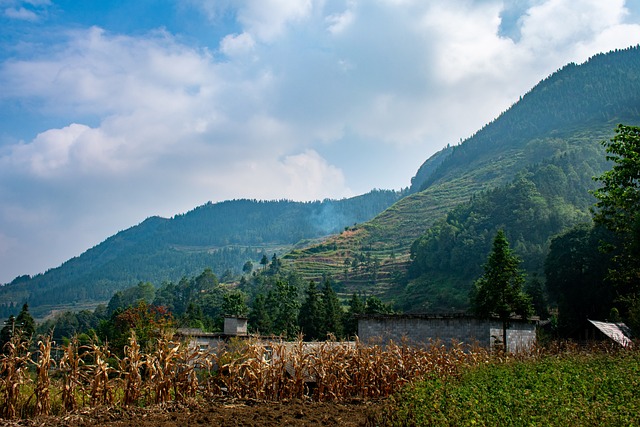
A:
x,y
301,100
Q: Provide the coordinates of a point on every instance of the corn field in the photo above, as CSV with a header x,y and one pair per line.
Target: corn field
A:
x,y
35,383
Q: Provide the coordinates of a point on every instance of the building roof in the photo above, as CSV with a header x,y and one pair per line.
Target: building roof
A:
x,y
618,332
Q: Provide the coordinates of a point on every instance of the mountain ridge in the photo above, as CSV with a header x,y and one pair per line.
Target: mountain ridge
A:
x,y
370,252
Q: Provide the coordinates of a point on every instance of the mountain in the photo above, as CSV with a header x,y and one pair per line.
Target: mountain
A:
x,y
221,236
553,130
528,171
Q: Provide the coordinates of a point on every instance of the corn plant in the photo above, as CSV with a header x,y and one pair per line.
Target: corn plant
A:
x,y
14,365
69,366
43,382
98,374
162,368
185,381
130,367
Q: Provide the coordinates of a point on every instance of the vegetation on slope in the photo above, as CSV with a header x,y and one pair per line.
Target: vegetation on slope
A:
x,y
560,121
221,236
542,201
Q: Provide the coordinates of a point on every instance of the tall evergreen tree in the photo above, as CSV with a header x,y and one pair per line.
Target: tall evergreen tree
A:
x,y
259,319
25,323
7,331
576,271
282,303
312,312
498,292
333,313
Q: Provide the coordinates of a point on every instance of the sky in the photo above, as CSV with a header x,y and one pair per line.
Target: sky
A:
x,y
112,111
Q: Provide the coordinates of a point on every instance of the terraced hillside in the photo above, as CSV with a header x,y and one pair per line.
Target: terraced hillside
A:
x,y
579,104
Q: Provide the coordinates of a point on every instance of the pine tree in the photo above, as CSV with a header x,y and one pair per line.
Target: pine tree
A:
x,y
259,319
311,317
25,323
498,293
333,313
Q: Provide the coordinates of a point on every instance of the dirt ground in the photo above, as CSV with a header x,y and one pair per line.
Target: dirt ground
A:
x,y
224,414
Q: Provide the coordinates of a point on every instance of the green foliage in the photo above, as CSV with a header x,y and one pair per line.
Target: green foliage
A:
x,y
234,303
333,312
356,308
220,236
593,390
539,301
25,323
575,271
312,312
149,322
498,292
618,207
259,318
374,305
532,209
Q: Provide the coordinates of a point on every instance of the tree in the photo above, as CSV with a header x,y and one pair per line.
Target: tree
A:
x,y
234,303
259,319
264,261
311,317
283,306
374,305
356,308
575,271
247,267
25,322
498,292
333,314
7,331
618,209
535,289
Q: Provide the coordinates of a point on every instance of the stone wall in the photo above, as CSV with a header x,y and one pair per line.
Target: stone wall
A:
x,y
423,329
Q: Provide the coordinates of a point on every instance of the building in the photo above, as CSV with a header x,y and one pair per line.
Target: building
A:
x,y
420,329
208,341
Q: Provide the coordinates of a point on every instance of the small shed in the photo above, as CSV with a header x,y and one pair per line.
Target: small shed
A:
x,y
234,326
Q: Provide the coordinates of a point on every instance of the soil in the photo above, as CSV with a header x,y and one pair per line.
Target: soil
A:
x,y
219,413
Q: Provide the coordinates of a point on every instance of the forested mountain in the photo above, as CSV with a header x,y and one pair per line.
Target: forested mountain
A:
x,y
221,236
528,172
531,166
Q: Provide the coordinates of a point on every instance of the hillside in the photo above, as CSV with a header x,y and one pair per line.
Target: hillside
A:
x,y
566,115
221,236
365,242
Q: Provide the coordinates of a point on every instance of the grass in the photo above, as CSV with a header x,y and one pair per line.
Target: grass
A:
x,y
569,390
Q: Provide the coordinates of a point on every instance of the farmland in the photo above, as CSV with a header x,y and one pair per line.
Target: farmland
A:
x,y
337,383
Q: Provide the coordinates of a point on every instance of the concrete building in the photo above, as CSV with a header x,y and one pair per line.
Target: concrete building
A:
x,y
209,341
422,329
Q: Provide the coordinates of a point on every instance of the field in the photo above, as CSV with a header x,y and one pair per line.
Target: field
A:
x,y
253,383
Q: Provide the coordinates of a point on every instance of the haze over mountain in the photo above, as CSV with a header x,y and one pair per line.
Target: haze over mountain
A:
x,y
528,171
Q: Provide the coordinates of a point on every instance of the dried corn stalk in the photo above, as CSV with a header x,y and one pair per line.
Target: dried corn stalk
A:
x,y
43,381
14,364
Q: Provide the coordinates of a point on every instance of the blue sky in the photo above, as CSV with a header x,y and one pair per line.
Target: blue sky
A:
x,y
114,111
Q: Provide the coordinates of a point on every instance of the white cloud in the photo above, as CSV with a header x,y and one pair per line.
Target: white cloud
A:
x,y
237,44
154,126
20,13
